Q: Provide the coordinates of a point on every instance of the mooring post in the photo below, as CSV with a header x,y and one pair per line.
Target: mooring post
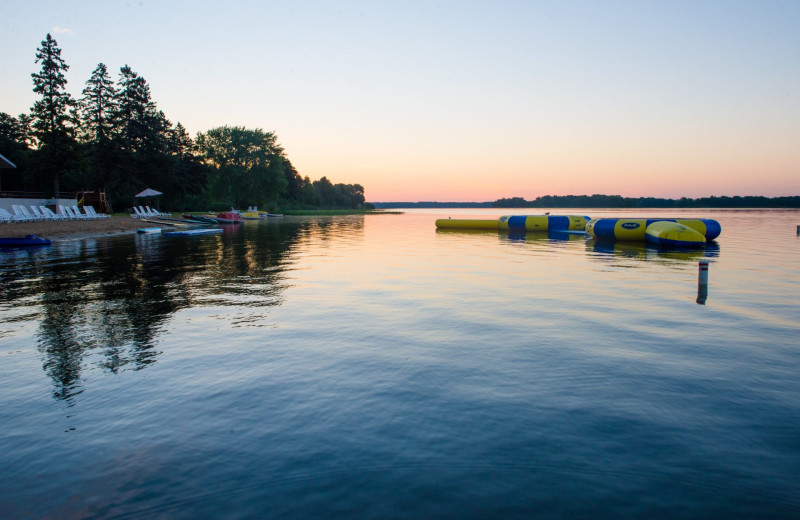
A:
x,y
702,282
702,278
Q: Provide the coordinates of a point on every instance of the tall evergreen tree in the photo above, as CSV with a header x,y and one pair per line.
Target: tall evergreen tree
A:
x,y
135,110
97,106
185,175
52,122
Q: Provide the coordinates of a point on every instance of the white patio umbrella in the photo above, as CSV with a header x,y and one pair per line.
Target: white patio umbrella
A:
x,y
149,192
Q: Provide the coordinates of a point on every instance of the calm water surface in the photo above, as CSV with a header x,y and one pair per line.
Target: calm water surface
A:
x,y
372,367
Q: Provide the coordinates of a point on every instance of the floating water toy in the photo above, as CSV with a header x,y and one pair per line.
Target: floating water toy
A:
x,y
519,223
668,232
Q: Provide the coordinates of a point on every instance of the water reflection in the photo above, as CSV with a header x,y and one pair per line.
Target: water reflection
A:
x,y
104,303
519,235
610,250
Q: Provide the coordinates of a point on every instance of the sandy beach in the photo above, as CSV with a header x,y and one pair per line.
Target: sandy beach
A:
x,y
75,228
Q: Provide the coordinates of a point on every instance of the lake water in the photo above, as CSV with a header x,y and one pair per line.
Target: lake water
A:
x,y
374,367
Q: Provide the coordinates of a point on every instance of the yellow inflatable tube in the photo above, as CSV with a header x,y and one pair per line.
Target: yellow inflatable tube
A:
x,y
520,223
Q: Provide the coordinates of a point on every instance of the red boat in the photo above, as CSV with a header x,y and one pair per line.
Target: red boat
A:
x,y
228,217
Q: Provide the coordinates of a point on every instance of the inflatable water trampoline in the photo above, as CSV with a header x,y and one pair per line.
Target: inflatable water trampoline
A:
x,y
663,231
519,223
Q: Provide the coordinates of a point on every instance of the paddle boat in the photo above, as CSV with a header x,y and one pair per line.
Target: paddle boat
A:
x,y
251,215
26,241
228,217
519,223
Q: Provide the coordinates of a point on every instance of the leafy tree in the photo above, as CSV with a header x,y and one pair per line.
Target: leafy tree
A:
x,y
53,122
248,165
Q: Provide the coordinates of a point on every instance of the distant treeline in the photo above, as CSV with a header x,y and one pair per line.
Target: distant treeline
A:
x,y
618,201
429,204
114,138
608,201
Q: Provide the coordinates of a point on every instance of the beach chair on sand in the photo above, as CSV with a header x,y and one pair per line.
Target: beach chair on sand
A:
x,y
90,211
82,215
64,214
136,213
38,214
5,216
48,213
22,214
12,218
28,214
76,213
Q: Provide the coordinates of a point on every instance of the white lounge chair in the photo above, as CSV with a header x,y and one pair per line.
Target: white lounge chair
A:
x,y
75,212
38,214
81,214
90,211
28,214
48,213
16,217
67,213
22,214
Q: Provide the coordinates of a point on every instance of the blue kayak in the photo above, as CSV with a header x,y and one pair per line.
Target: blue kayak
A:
x,y
27,240
187,232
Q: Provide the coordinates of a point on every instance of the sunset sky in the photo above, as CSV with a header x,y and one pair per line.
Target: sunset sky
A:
x,y
460,100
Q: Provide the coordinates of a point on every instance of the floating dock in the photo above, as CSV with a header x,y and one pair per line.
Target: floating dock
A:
x,y
668,231
519,223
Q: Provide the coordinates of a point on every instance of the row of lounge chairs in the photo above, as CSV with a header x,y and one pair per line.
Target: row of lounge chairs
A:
x,y
147,212
41,213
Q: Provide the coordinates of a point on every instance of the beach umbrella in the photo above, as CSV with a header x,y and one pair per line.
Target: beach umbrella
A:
x,y
148,193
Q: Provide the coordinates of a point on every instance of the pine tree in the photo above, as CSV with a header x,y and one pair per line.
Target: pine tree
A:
x,y
135,110
97,106
52,123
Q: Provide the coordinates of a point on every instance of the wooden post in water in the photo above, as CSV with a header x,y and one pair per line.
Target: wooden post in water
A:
x,y
702,282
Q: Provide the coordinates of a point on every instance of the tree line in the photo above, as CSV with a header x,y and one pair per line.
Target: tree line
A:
x,y
618,201
115,139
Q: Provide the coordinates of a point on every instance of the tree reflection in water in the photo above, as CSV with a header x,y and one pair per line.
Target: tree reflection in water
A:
x,y
111,298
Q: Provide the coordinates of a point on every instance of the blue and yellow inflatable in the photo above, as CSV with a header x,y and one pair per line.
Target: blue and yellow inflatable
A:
x,y
520,223
666,232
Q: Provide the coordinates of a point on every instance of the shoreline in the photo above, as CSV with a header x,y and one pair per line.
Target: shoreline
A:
x,y
61,229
